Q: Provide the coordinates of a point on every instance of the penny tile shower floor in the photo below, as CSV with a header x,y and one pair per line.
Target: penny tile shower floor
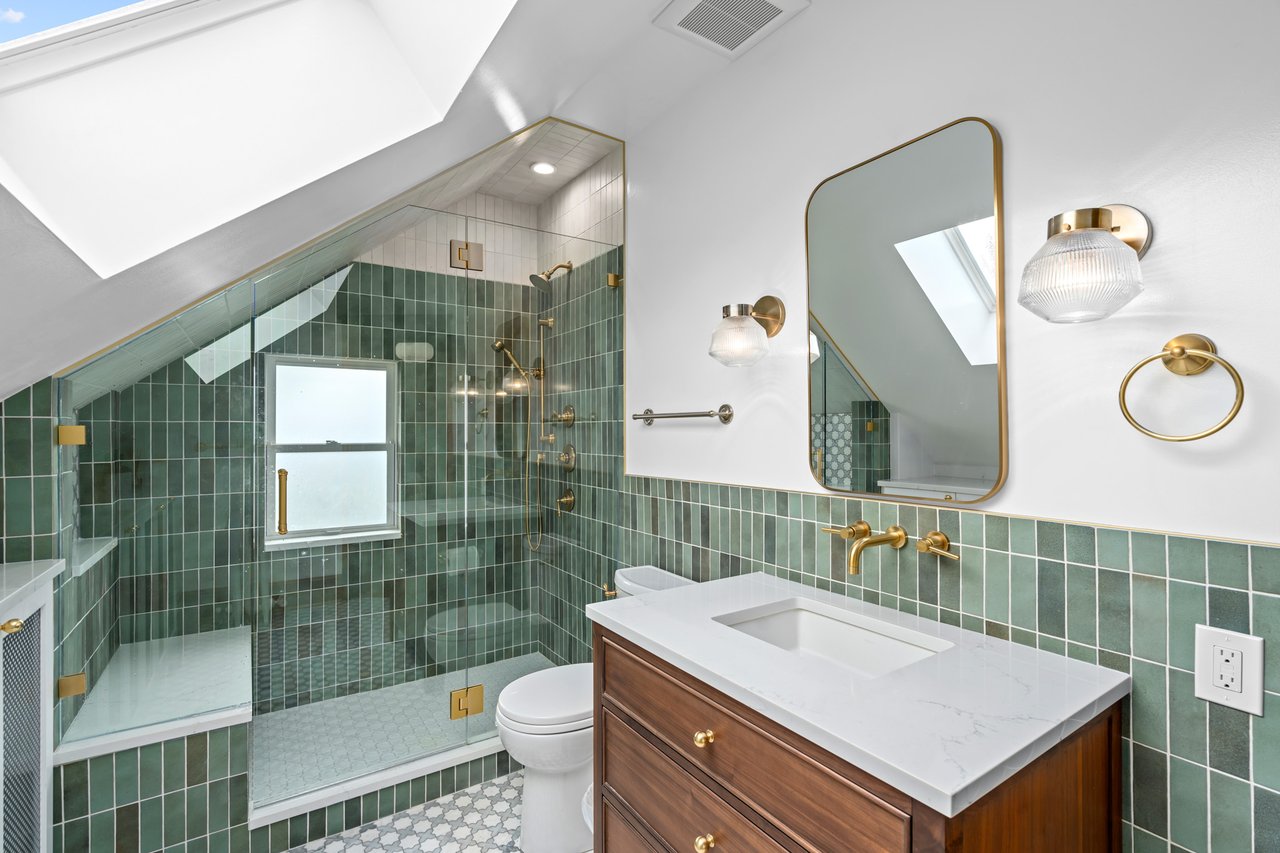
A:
x,y
484,818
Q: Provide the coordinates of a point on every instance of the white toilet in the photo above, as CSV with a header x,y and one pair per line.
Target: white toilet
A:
x,y
544,721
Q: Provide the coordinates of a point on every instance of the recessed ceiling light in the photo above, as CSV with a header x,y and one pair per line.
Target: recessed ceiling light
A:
x,y
543,168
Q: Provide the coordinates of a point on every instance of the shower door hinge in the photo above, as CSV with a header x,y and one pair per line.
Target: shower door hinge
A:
x,y
466,702
466,256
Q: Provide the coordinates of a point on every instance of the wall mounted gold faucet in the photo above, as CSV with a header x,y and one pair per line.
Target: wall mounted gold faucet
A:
x,y
860,533
937,543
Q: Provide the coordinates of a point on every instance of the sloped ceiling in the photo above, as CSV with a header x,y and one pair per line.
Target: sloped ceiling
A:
x,y
598,62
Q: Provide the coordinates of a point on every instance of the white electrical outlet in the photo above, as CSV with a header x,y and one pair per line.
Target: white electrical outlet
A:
x,y
1229,668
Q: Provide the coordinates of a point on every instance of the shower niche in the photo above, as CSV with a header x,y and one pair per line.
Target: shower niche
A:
x,y
332,485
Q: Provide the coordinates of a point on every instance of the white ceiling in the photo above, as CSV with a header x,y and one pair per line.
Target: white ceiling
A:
x,y
600,63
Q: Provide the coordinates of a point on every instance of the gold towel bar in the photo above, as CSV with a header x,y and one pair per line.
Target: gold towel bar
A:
x,y
1185,355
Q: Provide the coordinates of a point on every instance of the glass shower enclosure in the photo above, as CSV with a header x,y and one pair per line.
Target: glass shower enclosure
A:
x,y
329,488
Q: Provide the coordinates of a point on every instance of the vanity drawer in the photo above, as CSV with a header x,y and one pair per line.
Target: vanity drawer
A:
x,y
676,807
821,809
620,836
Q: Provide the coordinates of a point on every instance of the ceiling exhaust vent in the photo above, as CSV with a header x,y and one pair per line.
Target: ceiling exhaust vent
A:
x,y
727,27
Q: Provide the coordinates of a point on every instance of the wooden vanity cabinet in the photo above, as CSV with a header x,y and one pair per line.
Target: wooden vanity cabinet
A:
x,y
758,787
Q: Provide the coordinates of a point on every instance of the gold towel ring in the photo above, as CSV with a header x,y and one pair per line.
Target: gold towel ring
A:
x,y
1185,355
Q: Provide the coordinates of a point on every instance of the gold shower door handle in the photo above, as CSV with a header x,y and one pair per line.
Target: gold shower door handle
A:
x,y
282,497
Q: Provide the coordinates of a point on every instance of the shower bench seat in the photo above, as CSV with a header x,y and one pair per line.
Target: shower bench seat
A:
x,y
160,689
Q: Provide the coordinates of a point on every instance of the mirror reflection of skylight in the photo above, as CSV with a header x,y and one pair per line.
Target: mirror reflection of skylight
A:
x,y
22,18
956,269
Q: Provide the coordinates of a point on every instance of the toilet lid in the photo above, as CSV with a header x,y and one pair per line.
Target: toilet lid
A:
x,y
549,697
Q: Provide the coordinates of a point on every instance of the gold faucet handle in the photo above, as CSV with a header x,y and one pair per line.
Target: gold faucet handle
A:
x,y
857,530
937,543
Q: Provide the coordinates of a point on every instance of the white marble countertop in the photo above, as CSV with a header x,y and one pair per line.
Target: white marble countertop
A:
x,y
18,579
944,730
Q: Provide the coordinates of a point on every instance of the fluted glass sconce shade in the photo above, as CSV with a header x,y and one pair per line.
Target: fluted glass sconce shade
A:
x,y
1087,270
742,337
739,340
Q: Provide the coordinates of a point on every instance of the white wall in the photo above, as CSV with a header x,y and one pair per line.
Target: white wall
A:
x,y
1169,105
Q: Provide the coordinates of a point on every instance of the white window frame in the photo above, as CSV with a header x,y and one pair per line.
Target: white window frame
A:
x,y
275,541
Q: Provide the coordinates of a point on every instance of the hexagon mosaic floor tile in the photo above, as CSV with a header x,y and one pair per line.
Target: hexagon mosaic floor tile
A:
x,y
484,818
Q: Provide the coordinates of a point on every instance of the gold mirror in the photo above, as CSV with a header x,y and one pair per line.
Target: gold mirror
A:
x,y
906,321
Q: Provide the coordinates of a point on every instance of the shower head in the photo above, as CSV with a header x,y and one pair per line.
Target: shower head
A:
x,y
542,280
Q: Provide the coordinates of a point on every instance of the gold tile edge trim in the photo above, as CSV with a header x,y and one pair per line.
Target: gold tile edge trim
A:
x,y
383,208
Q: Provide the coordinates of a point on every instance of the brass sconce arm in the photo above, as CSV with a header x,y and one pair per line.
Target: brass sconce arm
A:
x,y
936,543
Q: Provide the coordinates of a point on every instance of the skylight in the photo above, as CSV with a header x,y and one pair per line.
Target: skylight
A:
x,y
22,18
956,269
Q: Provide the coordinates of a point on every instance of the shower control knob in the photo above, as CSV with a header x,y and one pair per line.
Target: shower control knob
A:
x,y
569,458
566,502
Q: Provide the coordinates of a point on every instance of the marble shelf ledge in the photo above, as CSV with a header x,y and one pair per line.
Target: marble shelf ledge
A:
x,y
161,689
18,579
87,553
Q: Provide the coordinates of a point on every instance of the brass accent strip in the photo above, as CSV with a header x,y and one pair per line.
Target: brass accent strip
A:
x,y
282,497
12,626
71,435
1002,390
466,702
1185,355
72,685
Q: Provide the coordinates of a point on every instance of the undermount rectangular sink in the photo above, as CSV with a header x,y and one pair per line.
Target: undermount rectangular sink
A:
x,y
811,628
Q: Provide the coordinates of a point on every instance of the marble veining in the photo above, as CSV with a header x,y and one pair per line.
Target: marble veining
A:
x,y
944,730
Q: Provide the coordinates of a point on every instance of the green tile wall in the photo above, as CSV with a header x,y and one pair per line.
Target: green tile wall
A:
x,y
191,795
29,516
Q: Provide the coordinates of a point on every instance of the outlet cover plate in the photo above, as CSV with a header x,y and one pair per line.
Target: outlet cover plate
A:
x,y
1249,698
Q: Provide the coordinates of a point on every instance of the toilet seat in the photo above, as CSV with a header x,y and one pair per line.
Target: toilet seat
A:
x,y
550,701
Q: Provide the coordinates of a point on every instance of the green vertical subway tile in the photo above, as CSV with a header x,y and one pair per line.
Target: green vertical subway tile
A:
x,y
1266,624
1113,610
971,529
1147,705
996,533
996,587
101,783
1188,806
75,789
1113,548
1081,545
175,765
1049,540
150,771
1229,609
1228,564
1051,597
1150,618
1022,536
151,824
102,832
1148,553
218,755
126,776
1186,610
972,570
197,810
1265,742
1229,740
1022,592
1082,602
1266,819
1150,790
1264,567
1186,558
1188,719
175,817
1230,815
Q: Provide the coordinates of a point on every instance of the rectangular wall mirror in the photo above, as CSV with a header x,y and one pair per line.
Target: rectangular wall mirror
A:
x,y
906,320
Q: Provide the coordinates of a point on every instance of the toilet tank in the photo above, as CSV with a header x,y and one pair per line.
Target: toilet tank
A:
x,y
637,580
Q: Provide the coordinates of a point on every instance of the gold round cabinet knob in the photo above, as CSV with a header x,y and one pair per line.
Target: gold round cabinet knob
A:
x,y
703,843
703,739
13,626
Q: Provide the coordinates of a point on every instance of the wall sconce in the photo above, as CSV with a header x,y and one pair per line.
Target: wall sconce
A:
x,y
1089,267
742,338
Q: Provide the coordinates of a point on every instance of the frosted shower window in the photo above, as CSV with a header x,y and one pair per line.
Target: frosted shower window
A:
x,y
331,426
